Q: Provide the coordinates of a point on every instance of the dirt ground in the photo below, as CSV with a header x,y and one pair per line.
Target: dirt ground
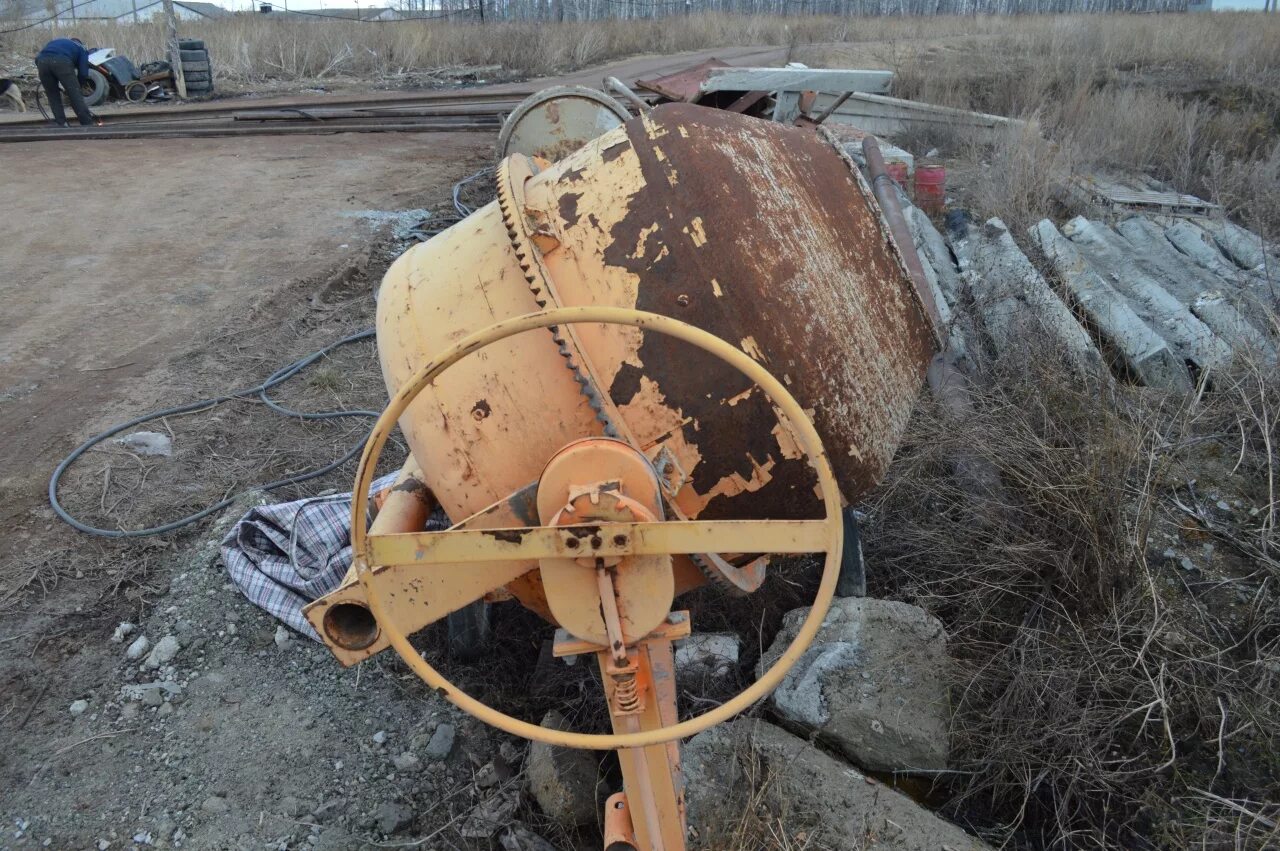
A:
x,y
194,273
140,274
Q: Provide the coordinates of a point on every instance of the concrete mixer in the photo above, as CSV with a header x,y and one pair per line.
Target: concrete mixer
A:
x,y
647,367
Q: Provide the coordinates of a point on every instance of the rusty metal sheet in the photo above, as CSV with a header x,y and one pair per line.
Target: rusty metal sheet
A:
x,y
683,86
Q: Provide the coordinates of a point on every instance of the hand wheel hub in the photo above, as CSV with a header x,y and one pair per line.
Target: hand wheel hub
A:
x,y
587,483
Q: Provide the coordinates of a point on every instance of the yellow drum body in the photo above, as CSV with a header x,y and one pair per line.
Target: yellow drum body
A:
x,y
762,234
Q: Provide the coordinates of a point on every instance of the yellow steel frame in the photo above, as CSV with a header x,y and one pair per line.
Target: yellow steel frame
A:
x,y
670,537
822,536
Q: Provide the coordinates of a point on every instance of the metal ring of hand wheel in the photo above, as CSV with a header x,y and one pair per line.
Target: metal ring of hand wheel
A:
x,y
802,428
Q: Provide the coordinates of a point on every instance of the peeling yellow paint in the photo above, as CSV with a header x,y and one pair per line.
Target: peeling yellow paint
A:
x,y
698,233
684,133
650,414
651,128
715,288
787,444
751,347
657,152
733,400
638,254
734,484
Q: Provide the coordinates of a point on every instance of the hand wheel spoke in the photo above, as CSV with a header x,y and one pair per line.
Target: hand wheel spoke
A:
x,y
530,543
418,554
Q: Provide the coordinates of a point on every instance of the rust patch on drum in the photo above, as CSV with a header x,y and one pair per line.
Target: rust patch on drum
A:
x,y
773,223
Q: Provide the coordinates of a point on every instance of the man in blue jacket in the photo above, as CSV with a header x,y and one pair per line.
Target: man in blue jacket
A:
x,y
65,61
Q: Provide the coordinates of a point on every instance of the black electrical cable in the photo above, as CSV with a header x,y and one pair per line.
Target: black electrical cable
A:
x,y
260,390
463,208
276,378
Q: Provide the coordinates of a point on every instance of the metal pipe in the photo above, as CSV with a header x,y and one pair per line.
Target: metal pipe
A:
x,y
206,110
274,129
887,194
469,111
623,89
947,383
826,113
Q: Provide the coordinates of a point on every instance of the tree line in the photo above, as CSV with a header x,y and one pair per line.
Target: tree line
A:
x,y
593,10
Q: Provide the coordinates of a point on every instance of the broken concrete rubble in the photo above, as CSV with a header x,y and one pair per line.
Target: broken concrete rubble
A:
x,y
490,815
1170,316
517,837
1259,286
940,272
873,684
1016,305
1236,320
1196,243
563,781
707,654
1145,353
837,806
932,247
1243,247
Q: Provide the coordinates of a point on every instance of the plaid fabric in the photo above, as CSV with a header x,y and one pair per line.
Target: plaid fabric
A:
x,y
284,556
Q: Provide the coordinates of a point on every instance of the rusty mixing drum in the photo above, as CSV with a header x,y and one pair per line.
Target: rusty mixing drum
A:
x,y
730,324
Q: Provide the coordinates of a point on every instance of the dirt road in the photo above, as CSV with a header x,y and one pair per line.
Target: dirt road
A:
x,y
118,254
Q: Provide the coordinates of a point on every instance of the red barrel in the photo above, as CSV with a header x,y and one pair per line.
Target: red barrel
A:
x,y
931,187
897,169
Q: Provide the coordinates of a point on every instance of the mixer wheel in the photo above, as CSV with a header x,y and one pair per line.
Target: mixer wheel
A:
x,y
402,574
469,631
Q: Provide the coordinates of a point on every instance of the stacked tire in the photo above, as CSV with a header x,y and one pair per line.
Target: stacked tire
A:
x,y
196,67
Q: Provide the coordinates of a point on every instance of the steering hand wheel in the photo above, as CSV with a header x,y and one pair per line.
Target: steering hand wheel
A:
x,y
621,539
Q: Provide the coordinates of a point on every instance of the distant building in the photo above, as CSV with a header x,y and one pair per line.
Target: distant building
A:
x,y
188,10
1200,6
65,13
356,13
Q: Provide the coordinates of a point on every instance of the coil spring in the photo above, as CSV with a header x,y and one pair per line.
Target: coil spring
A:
x,y
625,692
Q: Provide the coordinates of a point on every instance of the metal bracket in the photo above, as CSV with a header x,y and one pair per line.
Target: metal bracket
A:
x,y
678,625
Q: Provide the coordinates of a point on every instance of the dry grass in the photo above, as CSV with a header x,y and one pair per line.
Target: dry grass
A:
x,y
1191,100
758,816
1106,696
254,49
